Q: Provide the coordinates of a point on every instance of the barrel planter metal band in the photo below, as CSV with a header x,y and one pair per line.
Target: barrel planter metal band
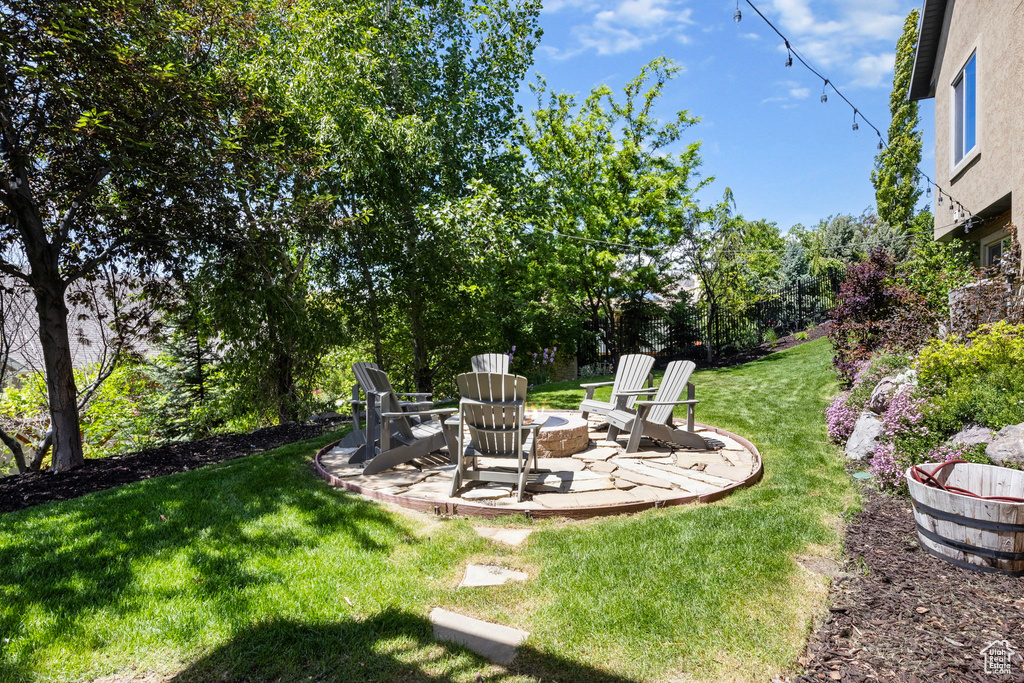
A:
x,y
975,533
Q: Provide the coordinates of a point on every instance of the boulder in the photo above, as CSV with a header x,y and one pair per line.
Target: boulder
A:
x,y
865,436
972,435
887,388
1007,446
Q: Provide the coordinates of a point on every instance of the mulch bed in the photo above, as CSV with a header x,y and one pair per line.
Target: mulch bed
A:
x,y
762,350
900,614
22,491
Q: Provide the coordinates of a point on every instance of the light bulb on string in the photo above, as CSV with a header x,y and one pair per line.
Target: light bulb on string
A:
x,y
940,198
928,191
855,126
824,95
880,145
789,55
737,16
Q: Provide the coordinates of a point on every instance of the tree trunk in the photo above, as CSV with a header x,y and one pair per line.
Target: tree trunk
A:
x,y
60,375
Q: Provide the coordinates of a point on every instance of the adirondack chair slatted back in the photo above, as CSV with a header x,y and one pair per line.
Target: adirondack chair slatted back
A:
x,y
672,386
490,362
494,428
631,374
377,381
359,370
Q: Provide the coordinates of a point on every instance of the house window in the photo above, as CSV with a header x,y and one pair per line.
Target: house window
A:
x,y
994,252
965,114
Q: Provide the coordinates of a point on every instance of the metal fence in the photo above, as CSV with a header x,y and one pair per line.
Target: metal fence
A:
x,y
705,333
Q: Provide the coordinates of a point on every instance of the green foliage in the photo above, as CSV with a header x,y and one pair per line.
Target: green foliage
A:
x,y
992,355
935,268
604,174
895,176
802,336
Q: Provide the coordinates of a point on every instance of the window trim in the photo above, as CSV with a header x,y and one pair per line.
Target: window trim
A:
x,y
958,167
1003,242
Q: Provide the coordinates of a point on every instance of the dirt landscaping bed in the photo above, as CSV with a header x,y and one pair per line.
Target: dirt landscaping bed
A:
x,y
22,491
900,614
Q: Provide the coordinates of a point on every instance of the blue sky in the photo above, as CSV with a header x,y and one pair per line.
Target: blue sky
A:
x,y
787,157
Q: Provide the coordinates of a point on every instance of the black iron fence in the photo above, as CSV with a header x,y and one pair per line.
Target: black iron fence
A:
x,y
705,332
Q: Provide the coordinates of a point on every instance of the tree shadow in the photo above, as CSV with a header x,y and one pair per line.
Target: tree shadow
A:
x,y
393,645
69,560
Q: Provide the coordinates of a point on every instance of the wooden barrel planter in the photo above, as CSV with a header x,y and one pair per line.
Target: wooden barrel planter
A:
x,y
970,532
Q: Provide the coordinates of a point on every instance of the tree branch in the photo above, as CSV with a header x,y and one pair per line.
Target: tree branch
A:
x,y
76,203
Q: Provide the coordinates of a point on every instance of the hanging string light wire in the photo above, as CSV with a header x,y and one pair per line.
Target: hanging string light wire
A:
x,y
827,83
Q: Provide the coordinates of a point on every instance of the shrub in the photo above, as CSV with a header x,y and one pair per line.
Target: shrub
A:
x,y
992,353
866,302
841,417
802,336
934,269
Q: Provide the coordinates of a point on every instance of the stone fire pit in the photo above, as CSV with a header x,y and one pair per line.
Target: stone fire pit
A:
x,y
561,434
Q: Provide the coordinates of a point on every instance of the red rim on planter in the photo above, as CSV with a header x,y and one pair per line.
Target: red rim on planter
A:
x,y
981,529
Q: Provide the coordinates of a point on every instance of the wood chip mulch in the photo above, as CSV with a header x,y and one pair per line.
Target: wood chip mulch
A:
x,y
21,491
901,614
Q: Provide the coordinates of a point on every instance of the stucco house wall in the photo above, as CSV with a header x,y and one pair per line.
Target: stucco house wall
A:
x,y
991,177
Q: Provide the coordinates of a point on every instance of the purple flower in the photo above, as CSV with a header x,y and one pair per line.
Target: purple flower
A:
x,y
841,417
887,467
903,416
513,348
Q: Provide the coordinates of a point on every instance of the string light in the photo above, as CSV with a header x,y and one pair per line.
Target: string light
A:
x,y
928,191
737,16
882,143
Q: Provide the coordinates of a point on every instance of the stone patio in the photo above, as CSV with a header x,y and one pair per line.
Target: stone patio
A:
x,y
602,478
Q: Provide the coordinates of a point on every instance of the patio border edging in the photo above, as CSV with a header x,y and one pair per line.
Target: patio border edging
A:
x,y
489,512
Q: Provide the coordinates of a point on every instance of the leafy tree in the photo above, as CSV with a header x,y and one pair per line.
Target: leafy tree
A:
x,y
108,118
413,104
895,176
795,264
603,175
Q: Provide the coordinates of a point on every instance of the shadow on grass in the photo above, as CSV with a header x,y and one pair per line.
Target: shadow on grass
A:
x,y
391,646
63,563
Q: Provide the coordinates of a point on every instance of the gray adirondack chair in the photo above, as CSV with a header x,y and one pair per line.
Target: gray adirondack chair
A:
x,y
359,404
634,369
392,435
493,410
653,418
490,362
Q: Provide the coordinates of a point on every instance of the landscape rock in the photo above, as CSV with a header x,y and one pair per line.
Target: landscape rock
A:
x,y
972,435
1007,446
887,388
865,436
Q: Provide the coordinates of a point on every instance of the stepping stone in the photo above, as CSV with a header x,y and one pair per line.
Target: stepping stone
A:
x,y
390,479
642,479
585,485
728,472
600,466
394,490
581,500
699,475
651,493
684,482
486,493
624,485
490,575
513,537
560,464
597,454
495,642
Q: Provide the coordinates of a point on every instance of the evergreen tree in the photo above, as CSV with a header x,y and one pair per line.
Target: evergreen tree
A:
x,y
895,175
795,264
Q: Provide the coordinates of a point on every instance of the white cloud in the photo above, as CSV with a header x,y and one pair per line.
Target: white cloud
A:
x,y
799,93
627,26
751,36
855,38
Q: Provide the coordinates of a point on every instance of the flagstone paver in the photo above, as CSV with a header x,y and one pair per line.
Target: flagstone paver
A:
x,y
495,642
490,575
513,537
642,479
601,466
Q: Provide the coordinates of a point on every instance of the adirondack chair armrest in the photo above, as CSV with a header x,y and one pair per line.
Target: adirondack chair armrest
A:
x,y
668,403
638,392
593,385
413,393
355,402
435,411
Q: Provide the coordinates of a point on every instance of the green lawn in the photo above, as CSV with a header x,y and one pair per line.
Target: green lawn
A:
x,y
256,570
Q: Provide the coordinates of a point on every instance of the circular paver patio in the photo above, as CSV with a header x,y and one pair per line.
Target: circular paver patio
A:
x,y
600,480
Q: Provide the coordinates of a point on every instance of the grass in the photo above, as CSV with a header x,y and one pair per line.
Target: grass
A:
x,y
256,570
